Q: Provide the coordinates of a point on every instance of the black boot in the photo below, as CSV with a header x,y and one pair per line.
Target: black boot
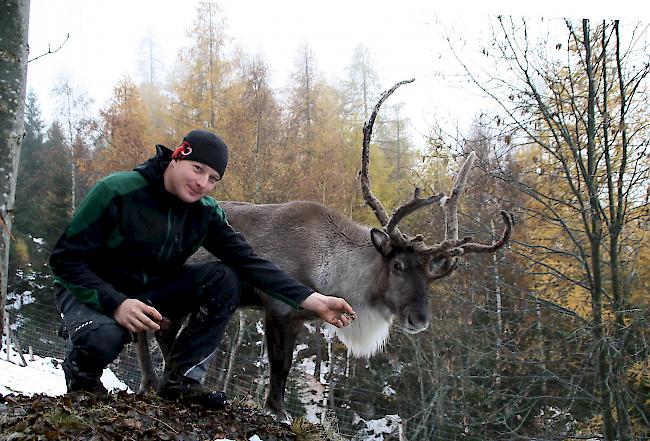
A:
x,y
187,389
77,381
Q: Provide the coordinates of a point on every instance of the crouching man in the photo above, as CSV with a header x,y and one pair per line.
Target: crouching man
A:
x,y
120,266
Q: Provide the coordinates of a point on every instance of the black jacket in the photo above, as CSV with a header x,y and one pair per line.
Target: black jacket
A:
x,y
129,231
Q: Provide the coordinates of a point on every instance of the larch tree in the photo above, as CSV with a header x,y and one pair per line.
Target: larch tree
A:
x,y
252,127
361,85
127,134
314,146
200,75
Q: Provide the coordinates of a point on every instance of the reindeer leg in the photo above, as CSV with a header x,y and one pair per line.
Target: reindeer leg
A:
x,y
149,379
165,339
281,339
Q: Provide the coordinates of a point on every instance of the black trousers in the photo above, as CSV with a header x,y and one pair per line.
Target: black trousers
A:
x,y
209,292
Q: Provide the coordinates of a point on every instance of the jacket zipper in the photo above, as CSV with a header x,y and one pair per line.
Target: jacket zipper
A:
x,y
174,235
165,250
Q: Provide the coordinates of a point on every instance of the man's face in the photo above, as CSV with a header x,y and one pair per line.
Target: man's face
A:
x,y
189,180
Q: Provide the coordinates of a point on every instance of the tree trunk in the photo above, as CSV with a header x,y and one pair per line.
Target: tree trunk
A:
x,y
499,309
595,239
14,27
330,382
318,336
262,371
616,215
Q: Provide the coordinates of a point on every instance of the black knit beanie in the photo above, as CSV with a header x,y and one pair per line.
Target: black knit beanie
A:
x,y
204,147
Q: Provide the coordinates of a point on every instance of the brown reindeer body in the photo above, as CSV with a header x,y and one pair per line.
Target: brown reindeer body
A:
x,y
335,256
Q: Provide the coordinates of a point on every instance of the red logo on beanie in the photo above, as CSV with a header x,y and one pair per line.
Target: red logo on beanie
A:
x,y
183,150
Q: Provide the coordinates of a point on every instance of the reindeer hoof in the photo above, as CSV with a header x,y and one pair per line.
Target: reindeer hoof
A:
x,y
281,416
151,385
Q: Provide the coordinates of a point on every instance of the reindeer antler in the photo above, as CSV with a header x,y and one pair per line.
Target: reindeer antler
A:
x,y
417,202
450,203
409,207
451,247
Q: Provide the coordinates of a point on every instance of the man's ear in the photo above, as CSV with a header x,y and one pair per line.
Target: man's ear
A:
x,y
381,241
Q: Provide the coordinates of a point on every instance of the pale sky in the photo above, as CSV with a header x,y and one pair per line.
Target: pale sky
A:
x,y
106,37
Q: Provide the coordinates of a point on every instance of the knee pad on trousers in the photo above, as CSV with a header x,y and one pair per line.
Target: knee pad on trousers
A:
x,y
97,346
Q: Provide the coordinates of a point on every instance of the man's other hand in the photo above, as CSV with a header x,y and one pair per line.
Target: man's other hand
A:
x,y
334,310
137,316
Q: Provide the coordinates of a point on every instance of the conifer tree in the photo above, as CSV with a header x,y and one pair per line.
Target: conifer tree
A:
x,y
57,205
31,186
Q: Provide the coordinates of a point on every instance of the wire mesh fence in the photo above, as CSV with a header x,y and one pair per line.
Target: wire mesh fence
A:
x,y
407,392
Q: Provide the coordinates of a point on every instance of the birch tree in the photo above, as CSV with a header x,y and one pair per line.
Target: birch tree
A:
x,y
72,107
14,50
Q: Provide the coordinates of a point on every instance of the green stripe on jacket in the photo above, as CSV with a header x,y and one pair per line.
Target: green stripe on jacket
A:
x,y
88,296
100,197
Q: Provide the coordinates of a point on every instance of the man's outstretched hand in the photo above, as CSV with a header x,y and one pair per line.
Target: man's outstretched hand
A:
x,y
137,316
334,310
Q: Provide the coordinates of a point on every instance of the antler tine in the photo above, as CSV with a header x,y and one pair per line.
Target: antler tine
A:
x,y
450,203
471,247
370,199
451,248
409,207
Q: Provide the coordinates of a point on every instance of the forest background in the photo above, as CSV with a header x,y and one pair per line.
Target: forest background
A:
x,y
546,340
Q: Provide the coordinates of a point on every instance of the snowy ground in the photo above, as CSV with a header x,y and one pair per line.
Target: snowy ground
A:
x,y
44,375
40,376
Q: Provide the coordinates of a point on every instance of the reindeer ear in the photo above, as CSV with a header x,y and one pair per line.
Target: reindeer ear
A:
x,y
381,241
436,267
439,267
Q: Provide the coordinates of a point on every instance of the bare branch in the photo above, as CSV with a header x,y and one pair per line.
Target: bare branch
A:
x,y
49,49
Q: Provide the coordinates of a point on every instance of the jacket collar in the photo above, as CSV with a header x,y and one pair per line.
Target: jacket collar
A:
x,y
154,168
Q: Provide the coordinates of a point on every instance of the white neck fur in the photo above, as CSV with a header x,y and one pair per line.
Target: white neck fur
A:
x,y
366,335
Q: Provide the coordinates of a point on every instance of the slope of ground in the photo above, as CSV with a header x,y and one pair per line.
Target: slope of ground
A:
x,y
124,416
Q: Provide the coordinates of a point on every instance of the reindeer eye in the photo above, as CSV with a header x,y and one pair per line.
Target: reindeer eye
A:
x,y
398,265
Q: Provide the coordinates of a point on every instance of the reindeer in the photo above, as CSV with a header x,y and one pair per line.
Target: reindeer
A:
x,y
382,272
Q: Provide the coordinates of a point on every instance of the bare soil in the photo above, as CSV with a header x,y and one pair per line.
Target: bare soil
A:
x,y
123,416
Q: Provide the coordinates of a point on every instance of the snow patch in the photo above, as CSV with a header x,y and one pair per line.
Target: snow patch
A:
x,y
252,438
259,327
38,240
311,395
43,375
388,391
298,349
19,300
376,429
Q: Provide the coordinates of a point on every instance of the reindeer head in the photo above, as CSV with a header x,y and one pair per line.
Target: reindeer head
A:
x,y
410,264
